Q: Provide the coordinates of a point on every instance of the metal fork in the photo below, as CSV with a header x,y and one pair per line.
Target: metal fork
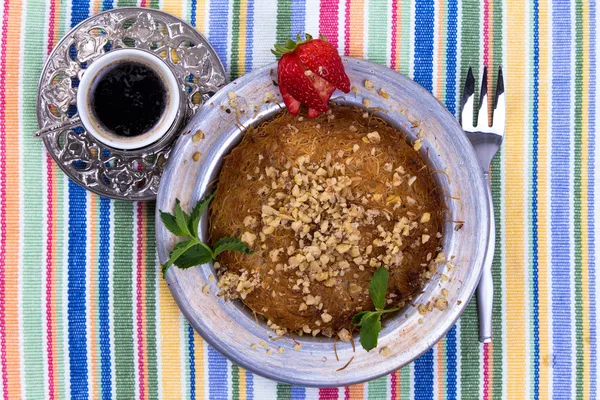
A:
x,y
486,141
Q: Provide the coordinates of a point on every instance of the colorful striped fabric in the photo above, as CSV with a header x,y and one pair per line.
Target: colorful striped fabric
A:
x,y
84,313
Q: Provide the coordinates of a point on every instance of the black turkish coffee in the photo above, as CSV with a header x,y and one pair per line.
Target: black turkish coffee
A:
x,y
129,98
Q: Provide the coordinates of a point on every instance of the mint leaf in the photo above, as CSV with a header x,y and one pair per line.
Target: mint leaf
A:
x,y
182,219
197,213
198,254
369,331
179,249
378,287
389,310
358,317
170,223
370,321
230,244
193,251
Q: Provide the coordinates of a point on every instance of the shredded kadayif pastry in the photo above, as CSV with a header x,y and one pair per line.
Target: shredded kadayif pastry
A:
x,y
323,203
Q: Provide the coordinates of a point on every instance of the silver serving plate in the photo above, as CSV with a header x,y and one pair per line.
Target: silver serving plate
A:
x,y
231,328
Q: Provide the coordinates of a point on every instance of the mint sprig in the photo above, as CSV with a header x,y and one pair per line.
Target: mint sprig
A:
x,y
369,322
193,251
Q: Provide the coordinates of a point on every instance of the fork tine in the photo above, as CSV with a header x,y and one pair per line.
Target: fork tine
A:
x,y
482,116
499,104
466,114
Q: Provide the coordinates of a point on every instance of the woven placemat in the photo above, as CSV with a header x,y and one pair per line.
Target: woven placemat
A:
x,y
85,313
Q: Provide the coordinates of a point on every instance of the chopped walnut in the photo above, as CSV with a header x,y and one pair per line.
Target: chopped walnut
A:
x,y
385,351
383,93
441,304
344,335
199,135
248,238
374,137
326,317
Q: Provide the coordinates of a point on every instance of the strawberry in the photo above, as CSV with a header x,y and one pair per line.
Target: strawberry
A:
x,y
308,72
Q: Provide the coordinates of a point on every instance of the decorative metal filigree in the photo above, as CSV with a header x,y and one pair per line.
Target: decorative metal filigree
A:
x,y
119,174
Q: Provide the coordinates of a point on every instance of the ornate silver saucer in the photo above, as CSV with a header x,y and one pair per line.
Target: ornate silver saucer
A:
x,y
112,172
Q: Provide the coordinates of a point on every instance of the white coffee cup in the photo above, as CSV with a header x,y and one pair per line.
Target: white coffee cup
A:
x,y
90,79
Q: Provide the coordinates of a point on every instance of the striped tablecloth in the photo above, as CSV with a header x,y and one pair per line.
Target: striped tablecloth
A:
x,y
84,313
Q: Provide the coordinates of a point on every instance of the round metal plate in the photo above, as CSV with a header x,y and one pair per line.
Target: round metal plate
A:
x,y
231,328
114,173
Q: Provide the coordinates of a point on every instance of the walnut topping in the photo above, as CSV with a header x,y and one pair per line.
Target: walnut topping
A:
x,y
250,221
326,317
267,97
248,238
198,136
385,351
374,137
418,144
320,220
441,304
344,335
368,84
383,93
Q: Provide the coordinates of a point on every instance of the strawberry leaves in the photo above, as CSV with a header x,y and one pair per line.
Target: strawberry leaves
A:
x,y
369,322
291,45
193,251
308,72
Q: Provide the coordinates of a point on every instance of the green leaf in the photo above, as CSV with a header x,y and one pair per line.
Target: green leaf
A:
x,y
197,213
179,249
182,219
170,223
230,244
197,254
378,287
281,48
358,317
389,310
369,331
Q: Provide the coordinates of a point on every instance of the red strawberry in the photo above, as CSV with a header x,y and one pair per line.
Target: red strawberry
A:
x,y
308,72
322,58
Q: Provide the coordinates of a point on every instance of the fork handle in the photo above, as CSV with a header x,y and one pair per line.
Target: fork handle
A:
x,y
485,289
